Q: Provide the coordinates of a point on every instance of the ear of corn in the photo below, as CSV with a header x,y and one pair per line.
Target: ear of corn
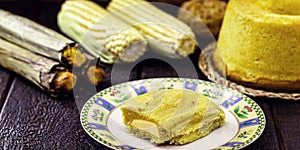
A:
x,y
39,39
101,34
165,33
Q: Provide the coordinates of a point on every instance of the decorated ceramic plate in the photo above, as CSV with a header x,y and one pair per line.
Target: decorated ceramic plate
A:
x,y
101,116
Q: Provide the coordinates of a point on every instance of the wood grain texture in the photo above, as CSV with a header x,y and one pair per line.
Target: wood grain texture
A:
x,y
5,77
286,117
165,67
34,120
84,91
156,68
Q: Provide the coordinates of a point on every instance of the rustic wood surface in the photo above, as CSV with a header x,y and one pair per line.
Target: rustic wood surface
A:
x,y
31,119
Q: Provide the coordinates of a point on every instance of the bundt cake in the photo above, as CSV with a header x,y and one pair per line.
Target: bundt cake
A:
x,y
259,43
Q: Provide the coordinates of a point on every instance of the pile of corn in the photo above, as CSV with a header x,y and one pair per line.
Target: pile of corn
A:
x,y
125,29
120,33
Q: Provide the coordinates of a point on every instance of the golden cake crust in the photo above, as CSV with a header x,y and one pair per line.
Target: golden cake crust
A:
x,y
262,83
259,44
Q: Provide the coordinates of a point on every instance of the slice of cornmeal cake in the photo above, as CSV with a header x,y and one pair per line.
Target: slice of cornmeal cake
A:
x,y
172,116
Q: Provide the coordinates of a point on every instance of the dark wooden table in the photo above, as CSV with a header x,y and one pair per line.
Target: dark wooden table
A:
x,y
31,119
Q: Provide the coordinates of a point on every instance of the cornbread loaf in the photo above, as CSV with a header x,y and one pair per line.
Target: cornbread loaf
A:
x,y
172,116
259,43
203,16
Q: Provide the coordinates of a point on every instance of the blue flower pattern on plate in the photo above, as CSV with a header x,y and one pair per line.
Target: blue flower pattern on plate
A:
x,y
97,126
126,147
105,104
190,85
251,122
233,99
98,115
212,94
139,89
232,144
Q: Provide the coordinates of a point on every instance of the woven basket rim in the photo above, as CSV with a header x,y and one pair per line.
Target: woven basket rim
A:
x,y
205,64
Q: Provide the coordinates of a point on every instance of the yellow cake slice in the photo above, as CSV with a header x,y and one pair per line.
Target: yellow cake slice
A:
x,y
172,116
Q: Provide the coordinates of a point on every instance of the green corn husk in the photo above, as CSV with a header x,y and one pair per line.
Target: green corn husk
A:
x,y
39,39
165,34
46,73
100,33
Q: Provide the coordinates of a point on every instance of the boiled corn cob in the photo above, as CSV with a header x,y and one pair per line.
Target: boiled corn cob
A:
x,y
45,73
102,34
164,33
39,39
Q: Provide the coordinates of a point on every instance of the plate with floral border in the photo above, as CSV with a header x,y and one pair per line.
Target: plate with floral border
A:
x,y
101,116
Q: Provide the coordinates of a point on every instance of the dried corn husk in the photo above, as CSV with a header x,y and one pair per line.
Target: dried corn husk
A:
x,y
92,70
39,39
46,73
